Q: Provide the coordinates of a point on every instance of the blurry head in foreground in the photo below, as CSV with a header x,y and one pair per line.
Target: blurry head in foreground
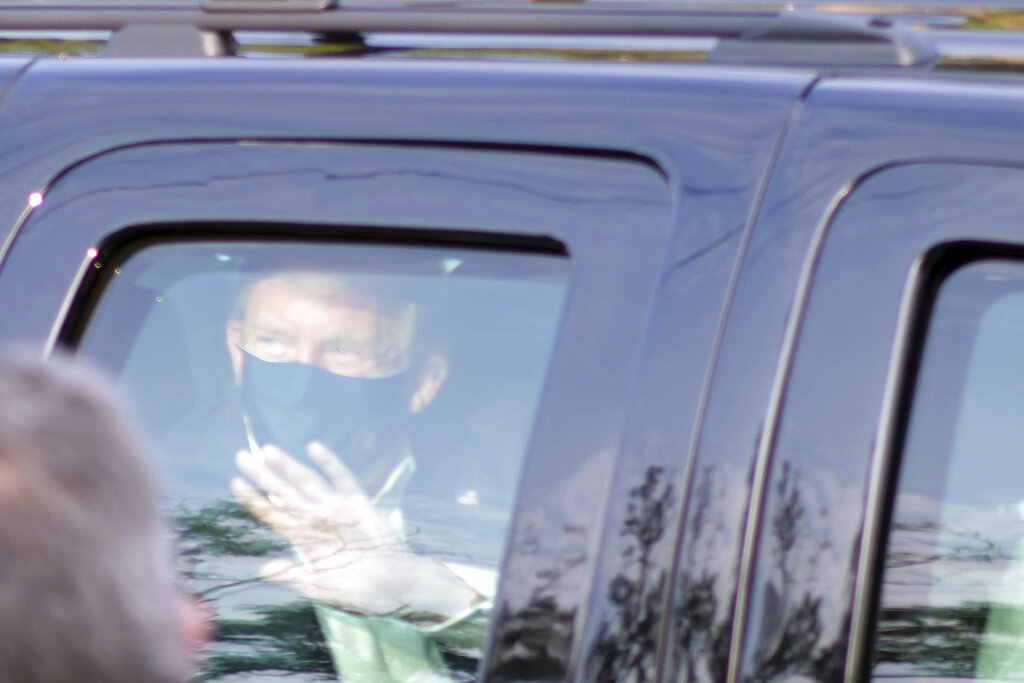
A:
x,y
86,592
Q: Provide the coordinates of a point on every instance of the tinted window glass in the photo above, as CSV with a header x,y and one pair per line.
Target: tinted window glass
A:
x,y
953,588
340,431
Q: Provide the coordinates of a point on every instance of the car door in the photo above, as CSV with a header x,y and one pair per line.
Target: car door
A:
x,y
892,227
166,236
590,237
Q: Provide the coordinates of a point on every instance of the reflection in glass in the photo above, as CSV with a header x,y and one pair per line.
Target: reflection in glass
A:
x,y
340,431
953,589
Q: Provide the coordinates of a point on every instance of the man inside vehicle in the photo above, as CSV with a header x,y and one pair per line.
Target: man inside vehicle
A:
x,y
333,372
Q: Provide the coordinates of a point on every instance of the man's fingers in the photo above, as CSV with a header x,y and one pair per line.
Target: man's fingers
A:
x,y
254,501
299,504
358,508
344,481
314,535
294,528
305,480
266,478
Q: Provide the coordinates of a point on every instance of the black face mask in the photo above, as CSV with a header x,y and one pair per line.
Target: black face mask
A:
x,y
363,421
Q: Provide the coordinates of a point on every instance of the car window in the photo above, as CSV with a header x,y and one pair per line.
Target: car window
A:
x,y
340,430
952,598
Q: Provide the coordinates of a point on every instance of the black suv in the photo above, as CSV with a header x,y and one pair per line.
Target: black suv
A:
x,y
634,342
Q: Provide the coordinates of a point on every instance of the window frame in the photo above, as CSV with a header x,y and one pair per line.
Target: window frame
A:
x,y
583,409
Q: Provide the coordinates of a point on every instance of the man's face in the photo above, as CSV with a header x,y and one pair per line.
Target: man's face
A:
x,y
293,321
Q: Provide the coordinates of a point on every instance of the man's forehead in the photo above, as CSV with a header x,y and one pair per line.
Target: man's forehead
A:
x,y
325,290
337,307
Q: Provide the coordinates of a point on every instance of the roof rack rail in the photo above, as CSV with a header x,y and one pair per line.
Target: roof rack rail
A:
x,y
546,19
763,33
267,5
818,38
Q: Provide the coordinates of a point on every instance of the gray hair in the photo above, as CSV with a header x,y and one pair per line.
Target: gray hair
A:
x,y
381,293
86,591
392,297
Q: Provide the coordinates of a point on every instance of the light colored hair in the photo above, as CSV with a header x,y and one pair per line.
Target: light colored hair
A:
x,y
377,293
86,591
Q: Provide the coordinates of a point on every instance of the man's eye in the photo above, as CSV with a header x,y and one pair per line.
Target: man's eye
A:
x,y
338,350
270,348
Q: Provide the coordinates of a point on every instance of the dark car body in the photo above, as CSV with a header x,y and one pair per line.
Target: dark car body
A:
x,y
755,250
